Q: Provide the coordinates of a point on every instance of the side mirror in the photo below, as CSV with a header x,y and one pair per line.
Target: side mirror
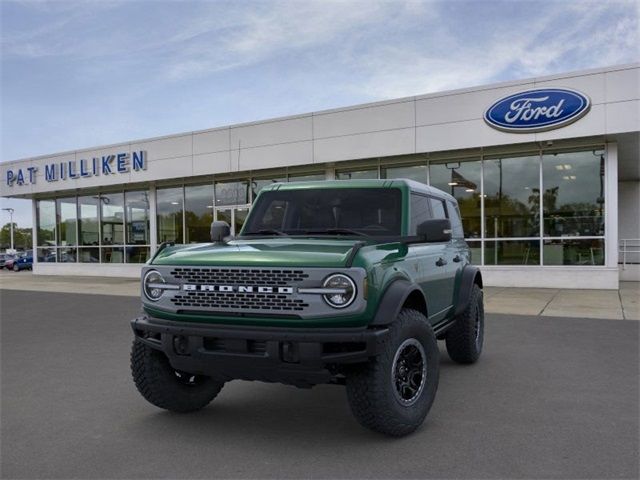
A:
x,y
219,230
435,230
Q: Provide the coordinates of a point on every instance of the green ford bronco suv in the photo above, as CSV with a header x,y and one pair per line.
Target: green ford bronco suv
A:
x,y
343,282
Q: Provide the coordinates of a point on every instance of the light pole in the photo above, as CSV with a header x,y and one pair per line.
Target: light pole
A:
x,y
10,210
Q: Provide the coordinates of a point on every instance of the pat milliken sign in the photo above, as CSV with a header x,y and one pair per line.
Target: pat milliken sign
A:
x,y
537,110
115,164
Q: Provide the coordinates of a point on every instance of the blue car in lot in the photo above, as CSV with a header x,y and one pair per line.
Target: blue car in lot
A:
x,y
23,262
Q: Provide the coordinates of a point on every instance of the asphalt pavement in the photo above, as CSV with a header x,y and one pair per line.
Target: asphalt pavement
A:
x,y
550,398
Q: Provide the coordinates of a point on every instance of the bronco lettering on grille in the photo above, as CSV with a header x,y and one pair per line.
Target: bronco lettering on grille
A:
x,y
237,288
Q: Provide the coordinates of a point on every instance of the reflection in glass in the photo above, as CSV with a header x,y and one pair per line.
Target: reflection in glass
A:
x,y
512,252
461,180
112,218
239,219
412,172
112,255
308,177
137,217
46,255
572,251
67,216
232,193
88,254
258,184
67,255
573,193
169,211
198,212
512,197
46,222
88,220
357,174
137,254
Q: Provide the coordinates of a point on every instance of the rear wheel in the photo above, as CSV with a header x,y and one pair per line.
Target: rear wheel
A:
x,y
465,339
16,268
168,388
393,393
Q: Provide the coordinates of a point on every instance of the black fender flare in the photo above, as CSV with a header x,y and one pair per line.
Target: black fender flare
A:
x,y
393,299
470,275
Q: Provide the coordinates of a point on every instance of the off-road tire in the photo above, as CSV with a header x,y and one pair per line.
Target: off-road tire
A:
x,y
371,387
159,384
464,342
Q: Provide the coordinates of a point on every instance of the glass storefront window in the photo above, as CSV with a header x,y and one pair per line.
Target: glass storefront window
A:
x,y
232,193
137,254
357,174
462,181
308,177
512,197
573,199
572,251
67,255
47,255
67,218
112,255
412,172
88,233
198,212
258,184
46,222
169,211
137,217
112,218
512,252
240,215
89,254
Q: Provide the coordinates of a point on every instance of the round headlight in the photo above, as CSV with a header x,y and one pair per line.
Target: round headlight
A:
x,y
345,290
150,285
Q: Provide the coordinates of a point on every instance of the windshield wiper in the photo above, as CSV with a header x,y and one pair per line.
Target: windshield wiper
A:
x,y
338,231
268,231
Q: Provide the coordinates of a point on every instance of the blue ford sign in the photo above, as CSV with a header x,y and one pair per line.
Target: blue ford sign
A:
x,y
537,110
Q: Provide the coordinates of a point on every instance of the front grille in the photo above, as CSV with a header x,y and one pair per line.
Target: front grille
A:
x,y
249,276
238,301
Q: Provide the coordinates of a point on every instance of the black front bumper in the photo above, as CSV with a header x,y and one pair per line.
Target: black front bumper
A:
x,y
300,357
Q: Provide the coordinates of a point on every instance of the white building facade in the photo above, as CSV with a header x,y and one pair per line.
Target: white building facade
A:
x,y
546,172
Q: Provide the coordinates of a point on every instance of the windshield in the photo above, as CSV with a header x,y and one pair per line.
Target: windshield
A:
x,y
331,211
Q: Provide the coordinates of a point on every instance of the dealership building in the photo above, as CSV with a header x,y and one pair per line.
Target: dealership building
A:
x,y
546,172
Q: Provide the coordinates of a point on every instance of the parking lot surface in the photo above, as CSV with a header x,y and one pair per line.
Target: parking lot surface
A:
x,y
550,398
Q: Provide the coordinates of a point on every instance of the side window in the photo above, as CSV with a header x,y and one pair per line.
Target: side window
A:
x,y
456,224
437,206
420,211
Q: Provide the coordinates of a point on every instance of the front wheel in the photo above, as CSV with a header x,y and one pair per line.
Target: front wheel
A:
x,y
16,268
165,387
465,339
393,393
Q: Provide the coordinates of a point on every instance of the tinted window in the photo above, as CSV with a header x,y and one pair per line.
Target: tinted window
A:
x,y
456,224
420,211
437,207
374,211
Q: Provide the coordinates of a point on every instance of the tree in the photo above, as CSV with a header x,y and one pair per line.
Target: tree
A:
x,y
21,237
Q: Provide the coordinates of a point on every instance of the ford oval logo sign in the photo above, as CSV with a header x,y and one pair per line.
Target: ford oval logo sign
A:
x,y
537,110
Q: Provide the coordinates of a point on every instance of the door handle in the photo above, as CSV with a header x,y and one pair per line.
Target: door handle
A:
x,y
457,259
441,262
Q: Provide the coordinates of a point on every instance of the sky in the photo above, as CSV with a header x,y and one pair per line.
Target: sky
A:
x,y
78,74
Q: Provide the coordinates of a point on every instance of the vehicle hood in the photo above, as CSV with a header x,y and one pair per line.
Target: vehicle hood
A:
x,y
272,252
